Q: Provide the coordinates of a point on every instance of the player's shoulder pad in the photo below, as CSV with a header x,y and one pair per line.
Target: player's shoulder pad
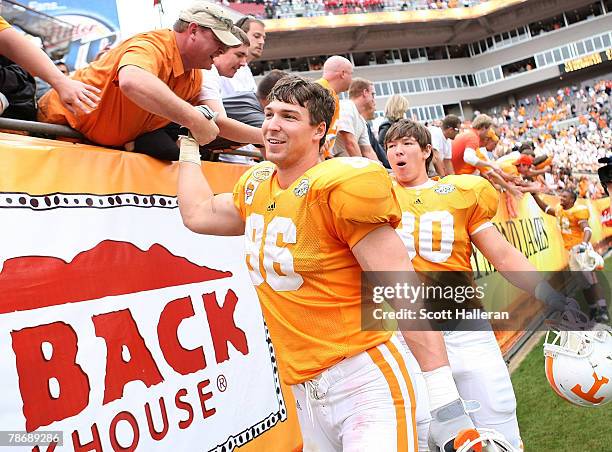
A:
x,y
474,188
357,189
339,171
581,211
466,182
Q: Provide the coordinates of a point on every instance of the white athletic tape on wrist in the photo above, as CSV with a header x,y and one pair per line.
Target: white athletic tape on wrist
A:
x,y
588,229
441,387
189,151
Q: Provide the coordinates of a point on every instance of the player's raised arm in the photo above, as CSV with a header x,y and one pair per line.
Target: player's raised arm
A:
x,y
517,269
545,207
383,251
201,210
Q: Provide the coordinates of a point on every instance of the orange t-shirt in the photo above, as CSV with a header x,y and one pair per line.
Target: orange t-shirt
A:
x,y
118,120
332,131
569,222
4,24
298,253
467,139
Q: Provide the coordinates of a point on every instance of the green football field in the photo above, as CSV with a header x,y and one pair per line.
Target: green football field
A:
x,y
549,423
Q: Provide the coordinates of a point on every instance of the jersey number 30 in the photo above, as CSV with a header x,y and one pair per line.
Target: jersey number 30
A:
x,y
277,260
444,220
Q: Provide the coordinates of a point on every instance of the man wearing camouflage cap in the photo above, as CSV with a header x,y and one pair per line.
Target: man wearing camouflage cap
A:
x,y
150,80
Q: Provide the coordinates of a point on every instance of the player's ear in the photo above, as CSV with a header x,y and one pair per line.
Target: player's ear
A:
x,y
427,151
320,130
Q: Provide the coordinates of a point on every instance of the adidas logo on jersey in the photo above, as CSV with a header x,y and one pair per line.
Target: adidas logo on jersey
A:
x,y
418,201
271,207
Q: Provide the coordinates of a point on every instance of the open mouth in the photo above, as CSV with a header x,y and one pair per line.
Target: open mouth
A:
x,y
400,164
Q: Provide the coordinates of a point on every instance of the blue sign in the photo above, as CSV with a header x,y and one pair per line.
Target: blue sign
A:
x,y
96,26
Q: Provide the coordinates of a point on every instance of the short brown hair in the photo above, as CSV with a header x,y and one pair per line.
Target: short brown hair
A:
x,y
358,85
244,23
180,26
310,95
482,122
266,84
406,128
451,122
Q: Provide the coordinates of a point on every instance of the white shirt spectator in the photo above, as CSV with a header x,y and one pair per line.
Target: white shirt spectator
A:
x,y
242,82
211,84
440,143
352,122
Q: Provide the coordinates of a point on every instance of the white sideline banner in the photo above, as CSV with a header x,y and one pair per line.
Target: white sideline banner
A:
x,y
125,331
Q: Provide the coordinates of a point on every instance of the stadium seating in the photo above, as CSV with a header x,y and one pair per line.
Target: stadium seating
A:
x,y
277,9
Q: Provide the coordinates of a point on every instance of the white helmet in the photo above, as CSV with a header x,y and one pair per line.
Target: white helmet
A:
x,y
588,259
578,364
482,440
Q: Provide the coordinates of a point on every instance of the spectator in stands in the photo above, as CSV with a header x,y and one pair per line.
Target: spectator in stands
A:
x,y
150,80
227,65
247,108
75,95
162,143
395,109
337,78
465,145
441,139
243,80
352,139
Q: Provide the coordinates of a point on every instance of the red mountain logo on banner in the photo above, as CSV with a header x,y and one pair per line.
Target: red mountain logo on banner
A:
x,y
110,268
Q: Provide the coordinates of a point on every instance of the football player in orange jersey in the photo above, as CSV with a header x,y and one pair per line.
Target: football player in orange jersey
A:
x,y
574,223
458,210
310,230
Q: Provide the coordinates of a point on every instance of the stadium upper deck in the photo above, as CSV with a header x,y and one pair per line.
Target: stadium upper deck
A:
x,y
445,60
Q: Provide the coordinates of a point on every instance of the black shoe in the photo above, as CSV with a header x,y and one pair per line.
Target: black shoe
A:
x,y
593,312
602,315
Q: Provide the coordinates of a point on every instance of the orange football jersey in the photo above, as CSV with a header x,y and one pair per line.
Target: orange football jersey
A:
x,y
298,246
568,222
439,217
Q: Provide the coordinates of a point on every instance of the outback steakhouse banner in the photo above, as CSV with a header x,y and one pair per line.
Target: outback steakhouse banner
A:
x,y
118,326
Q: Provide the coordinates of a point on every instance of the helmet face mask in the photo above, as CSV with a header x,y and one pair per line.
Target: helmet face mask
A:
x,y
578,365
587,260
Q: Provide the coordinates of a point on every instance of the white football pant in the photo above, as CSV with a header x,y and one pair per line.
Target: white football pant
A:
x,y
363,403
